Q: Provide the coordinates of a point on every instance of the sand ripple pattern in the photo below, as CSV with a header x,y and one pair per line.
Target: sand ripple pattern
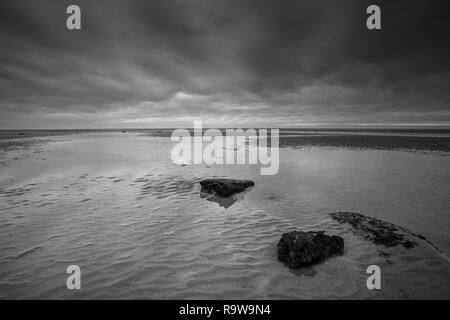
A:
x,y
139,228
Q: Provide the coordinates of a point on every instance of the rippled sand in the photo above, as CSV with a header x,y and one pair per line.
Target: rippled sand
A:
x,y
138,227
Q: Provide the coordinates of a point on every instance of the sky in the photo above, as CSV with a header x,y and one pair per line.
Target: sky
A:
x,y
228,63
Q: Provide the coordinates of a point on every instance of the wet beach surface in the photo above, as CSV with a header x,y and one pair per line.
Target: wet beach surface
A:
x,y
136,224
365,142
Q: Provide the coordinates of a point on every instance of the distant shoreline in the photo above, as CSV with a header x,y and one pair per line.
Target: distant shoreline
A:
x,y
166,132
412,141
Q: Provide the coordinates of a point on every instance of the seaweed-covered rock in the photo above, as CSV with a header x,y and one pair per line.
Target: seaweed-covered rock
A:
x,y
299,249
374,230
225,187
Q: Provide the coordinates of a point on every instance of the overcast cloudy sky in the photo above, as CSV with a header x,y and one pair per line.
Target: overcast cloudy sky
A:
x,y
163,63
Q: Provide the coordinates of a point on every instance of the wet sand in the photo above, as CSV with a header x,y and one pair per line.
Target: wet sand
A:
x,y
136,224
364,142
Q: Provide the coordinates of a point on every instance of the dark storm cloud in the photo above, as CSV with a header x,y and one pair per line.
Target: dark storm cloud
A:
x,y
159,63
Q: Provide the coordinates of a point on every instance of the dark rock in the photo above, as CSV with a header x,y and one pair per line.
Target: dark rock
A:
x,y
299,249
225,187
377,231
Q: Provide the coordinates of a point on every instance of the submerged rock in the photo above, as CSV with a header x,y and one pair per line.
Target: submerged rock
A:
x,y
374,230
225,187
299,249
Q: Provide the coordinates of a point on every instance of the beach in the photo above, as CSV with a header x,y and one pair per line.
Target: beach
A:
x,y
113,203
